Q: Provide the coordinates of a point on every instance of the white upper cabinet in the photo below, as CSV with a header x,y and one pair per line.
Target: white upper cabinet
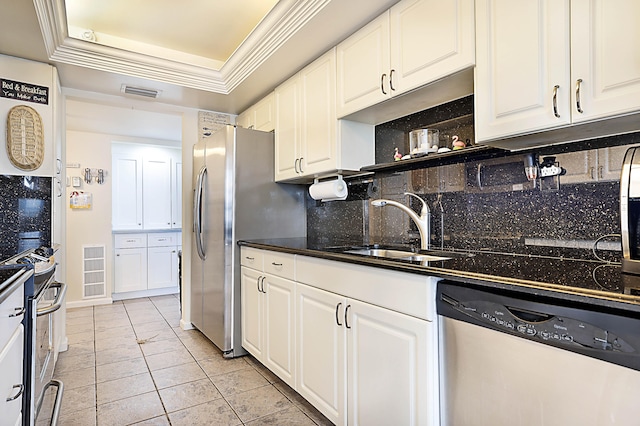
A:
x,y
568,62
147,188
414,43
310,141
261,116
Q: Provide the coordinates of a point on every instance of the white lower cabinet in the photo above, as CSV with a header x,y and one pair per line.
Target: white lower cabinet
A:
x,y
268,317
365,338
146,262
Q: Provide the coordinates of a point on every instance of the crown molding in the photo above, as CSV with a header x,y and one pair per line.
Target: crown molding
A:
x,y
280,24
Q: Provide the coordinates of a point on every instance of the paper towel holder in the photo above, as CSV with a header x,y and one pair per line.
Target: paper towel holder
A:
x,y
329,190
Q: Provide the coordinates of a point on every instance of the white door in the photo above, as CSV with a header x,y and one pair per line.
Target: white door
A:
x,y
430,39
321,351
363,64
279,324
388,374
162,267
156,192
251,307
287,139
127,192
522,54
130,270
318,115
605,55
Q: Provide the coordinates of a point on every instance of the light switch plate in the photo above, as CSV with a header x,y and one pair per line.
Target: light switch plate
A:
x,y
76,181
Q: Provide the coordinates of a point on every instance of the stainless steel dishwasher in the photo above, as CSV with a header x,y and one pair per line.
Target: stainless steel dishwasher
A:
x,y
518,359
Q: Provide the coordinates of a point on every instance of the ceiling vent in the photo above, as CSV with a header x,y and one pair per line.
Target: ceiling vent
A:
x,y
140,91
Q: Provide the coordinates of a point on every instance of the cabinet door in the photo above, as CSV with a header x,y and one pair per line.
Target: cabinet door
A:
x,y
162,267
318,115
604,55
11,357
246,119
176,193
251,307
156,192
430,39
127,192
130,270
363,64
388,374
522,53
287,98
265,114
321,351
279,323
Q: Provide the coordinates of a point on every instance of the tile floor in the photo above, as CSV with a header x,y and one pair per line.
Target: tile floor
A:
x,y
131,363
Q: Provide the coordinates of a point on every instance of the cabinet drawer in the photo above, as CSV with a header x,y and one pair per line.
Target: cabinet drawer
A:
x,y
163,239
279,264
11,306
130,241
252,258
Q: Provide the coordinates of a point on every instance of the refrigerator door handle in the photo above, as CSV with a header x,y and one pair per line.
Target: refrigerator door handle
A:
x,y
197,212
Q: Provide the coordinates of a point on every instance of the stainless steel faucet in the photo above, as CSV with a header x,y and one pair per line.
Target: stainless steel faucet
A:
x,y
423,221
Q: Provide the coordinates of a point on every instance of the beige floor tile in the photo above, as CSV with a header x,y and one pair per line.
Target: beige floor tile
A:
x,y
154,347
266,373
151,326
76,378
156,421
169,359
117,354
86,336
102,324
201,348
125,387
215,412
177,375
86,417
81,348
78,399
81,327
165,333
67,361
118,370
125,342
130,410
108,333
188,394
290,417
239,381
260,402
79,313
218,365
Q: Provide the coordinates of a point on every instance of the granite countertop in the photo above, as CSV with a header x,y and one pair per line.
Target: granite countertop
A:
x,y
570,275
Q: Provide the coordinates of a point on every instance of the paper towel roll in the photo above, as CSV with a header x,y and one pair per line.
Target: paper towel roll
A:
x,y
329,190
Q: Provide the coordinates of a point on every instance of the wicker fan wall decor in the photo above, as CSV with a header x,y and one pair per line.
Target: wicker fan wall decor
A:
x,y
25,142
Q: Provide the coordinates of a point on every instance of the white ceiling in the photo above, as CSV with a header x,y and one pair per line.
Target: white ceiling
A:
x,y
292,34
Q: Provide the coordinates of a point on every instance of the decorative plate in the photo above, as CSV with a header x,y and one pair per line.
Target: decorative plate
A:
x,y
25,142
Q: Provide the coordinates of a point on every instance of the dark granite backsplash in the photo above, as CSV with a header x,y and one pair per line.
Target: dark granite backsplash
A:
x,y
521,221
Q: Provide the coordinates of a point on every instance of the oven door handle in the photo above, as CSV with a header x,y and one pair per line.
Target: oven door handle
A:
x,y
57,403
57,303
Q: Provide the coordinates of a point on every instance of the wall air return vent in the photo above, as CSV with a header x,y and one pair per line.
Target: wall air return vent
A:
x,y
93,271
140,91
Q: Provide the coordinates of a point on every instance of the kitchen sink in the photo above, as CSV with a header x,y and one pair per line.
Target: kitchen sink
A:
x,y
397,254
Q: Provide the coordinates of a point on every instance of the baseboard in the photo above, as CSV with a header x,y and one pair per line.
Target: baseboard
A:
x,y
145,293
186,325
89,302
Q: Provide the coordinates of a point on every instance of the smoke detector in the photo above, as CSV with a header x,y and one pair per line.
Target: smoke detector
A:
x,y
140,91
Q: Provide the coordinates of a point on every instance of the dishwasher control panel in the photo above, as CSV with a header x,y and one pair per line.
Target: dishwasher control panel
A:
x,y
582,329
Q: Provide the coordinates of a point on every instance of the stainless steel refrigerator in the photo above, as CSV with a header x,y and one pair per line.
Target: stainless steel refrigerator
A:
x,y
234,198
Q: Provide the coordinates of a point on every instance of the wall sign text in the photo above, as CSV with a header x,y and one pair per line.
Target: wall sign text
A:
x,y
25,92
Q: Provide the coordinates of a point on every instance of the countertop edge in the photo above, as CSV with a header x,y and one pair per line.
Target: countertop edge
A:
x,y
554,291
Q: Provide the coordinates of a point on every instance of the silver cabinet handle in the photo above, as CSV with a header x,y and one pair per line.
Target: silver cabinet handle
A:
x,y
391,80
337,316
251,259
346,312
258,284
382,84
592,171
262,282
301,158
295,165
276,264
20,388
601,172
555,101
479,176
18,312
578,82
